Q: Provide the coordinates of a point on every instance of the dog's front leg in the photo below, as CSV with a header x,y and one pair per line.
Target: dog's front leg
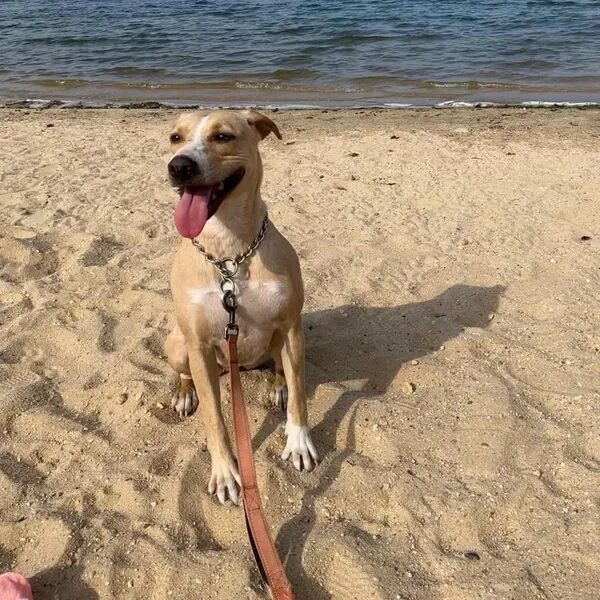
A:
x,y
225,478
299,444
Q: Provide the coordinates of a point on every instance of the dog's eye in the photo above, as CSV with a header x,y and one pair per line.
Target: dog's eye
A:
x,y
175,138
223,137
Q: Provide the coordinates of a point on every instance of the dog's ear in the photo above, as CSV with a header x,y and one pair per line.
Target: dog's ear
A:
x,y
262,124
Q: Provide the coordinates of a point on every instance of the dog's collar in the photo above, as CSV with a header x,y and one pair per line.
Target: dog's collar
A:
x,y
228,267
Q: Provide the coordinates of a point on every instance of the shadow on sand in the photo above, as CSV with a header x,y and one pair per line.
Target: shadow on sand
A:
x,y
61,583
369,344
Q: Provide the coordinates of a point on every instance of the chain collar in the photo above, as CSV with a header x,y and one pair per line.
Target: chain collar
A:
x,y
228,268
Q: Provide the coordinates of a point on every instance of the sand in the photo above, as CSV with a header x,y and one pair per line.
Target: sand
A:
x,y
453,361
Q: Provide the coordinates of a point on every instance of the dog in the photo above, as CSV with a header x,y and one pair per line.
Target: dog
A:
x,y
216,167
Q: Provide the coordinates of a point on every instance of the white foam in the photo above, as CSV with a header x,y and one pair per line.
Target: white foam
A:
x,y
47,103
462,104
545,104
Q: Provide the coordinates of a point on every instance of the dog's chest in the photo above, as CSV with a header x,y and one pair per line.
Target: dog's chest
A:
x,y
260,309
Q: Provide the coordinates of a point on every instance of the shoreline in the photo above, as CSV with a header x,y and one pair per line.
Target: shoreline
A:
x,y
152,104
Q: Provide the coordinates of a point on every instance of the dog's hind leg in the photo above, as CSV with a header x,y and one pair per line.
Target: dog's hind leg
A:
x,y
299,446
185,399
280,390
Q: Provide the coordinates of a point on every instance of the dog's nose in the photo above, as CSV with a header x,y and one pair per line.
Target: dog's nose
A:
x,y
182,168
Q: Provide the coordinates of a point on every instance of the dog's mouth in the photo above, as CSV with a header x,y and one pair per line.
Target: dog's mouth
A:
x,y
199,203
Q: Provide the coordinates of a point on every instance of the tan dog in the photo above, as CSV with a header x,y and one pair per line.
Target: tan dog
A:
x,y
218,170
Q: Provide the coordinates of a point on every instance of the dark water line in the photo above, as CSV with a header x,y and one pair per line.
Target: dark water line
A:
x,y
153,104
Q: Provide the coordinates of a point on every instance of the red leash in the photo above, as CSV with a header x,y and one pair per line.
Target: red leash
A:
x,y
258,531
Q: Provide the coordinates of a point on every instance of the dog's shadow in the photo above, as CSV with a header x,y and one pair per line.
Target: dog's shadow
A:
x,y
366,346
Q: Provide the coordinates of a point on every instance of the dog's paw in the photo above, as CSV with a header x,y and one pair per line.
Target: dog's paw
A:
x,y
185,400
280,396
225,480
300,447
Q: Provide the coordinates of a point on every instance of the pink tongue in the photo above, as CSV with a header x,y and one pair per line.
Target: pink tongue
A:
x,y
191,213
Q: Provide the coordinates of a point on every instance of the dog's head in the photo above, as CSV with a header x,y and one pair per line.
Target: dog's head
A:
x,y
214,154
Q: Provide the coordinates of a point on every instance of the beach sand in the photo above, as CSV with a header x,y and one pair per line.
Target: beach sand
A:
x,y
452,359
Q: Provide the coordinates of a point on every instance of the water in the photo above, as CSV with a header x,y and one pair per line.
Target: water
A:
x,y
294,52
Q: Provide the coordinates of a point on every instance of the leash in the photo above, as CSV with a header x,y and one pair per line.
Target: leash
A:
x,y
264,550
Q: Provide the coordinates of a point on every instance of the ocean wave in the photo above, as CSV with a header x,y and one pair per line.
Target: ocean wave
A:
x,y
469,85
463,104
41,103
546,104
277,85
526,104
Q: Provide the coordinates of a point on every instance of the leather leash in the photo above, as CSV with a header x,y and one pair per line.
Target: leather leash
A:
x,y
261,541
263,547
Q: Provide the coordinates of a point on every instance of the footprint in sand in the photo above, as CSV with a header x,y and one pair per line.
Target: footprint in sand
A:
x,y
14,392
26,259
34,544
101,250
348,579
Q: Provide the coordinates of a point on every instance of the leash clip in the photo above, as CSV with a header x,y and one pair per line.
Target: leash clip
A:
x,y
230,304
232,328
